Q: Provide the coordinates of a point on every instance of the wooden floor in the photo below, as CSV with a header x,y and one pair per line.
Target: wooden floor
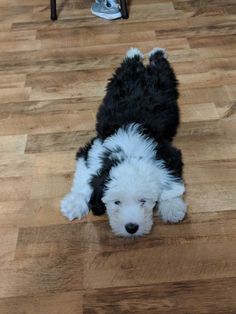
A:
x,y
52,79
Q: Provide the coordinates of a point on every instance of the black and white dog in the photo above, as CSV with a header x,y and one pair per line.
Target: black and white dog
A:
x,y
131,168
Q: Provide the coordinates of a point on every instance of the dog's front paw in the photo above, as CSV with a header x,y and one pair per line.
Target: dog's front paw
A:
x,y
172,210
74,206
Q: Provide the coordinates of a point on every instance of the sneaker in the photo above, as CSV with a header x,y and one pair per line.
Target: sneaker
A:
x,y
106,9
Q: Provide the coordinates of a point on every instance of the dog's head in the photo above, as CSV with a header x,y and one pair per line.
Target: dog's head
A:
x,y
130,197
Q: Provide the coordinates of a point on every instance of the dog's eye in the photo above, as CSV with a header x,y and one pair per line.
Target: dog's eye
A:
x,y
117,202
142,201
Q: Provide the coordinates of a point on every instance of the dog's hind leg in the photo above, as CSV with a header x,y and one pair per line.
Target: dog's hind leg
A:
x,y
124,88
134,52
161,84
131,65
156,54
161,72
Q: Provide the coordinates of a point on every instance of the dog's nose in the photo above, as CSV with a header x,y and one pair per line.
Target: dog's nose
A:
x,y
131,228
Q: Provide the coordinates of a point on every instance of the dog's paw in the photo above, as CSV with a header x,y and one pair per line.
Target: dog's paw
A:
x,y
157,53
74,206
132,52
172,210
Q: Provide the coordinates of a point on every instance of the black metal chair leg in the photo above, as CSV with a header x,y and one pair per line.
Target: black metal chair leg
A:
x,y
53,5
124,9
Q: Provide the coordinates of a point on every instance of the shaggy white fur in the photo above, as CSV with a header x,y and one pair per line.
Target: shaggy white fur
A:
x,y
131,195
134,186
172,210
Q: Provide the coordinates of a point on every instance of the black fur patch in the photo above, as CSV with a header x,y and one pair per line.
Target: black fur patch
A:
x,y
84,151
172,158
145,95
99,180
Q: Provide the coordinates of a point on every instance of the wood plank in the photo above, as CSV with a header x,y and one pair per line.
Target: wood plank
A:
x,y
199,112
14,94
203,95
13,144
56,142
210,171
47,186
157,265
35,213
93,234
211,147
214,197
87,39
20,45
40,276
22,213
72,90
195,297
15,36
56,303
47,123
16,166
53,163
51,106
8,236
231,91
15,188
12,81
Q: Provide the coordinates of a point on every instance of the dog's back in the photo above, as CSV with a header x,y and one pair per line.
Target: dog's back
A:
x,y
145,95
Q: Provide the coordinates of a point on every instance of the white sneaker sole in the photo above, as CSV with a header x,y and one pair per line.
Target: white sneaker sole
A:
x,y
107,16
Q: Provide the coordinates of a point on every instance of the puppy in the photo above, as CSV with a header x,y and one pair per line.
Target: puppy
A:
x,y
130,169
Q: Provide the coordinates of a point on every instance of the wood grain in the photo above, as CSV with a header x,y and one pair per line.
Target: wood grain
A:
x,y
181,297
52,80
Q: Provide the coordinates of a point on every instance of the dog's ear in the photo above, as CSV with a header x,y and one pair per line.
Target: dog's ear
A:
x,y
96,204
98,183
172,158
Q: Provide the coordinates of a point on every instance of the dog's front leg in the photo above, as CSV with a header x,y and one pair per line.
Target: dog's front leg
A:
x,y
171,207
172,210
75,204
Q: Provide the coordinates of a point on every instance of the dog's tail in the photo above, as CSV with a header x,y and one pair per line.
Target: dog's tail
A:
x,y
156,54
